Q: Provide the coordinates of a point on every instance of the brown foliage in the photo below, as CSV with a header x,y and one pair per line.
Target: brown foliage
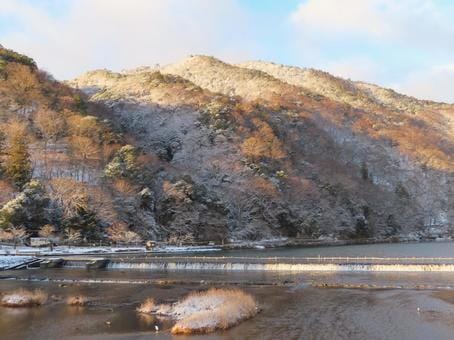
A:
x,y
47,231
119,232
84,149
50,123
263,143
77,301
148,306
125,187
21,85
263,187
69,194
6,192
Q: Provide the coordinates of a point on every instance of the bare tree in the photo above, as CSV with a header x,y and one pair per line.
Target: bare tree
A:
x,y
84,152
69,195
6,192
47,231
52,126
15,234
120,233
180,239
22,85
72,236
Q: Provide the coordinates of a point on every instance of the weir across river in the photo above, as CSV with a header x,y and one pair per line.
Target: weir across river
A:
x,y
285,264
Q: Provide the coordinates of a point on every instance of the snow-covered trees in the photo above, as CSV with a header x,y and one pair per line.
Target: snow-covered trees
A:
x,y
120,233
48,231
72,236
28,208
14,234
124,164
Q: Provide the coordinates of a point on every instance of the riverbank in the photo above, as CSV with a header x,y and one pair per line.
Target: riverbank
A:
x,y
269,244
101,250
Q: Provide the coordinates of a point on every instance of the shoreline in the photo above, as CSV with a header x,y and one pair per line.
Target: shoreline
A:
x,y
290,243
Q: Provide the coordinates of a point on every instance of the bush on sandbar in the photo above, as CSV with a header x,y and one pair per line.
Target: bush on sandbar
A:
x,y
148,306
207,311
24,298
215,309
77,300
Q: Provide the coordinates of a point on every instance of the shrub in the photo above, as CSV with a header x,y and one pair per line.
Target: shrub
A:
x,y
148,306
120,233
212,310
24,298
77,300
205,312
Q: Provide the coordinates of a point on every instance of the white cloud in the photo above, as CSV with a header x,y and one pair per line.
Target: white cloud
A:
x,y
333,16
380,41
436,83
362,69
121,34
413,22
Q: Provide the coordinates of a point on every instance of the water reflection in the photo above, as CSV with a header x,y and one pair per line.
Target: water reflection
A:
x,y
294,311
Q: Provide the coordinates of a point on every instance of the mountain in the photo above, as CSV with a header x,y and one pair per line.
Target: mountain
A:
x,y
207,150
290,151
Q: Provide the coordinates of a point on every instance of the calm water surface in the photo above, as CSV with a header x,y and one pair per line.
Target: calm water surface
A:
x,y
427,249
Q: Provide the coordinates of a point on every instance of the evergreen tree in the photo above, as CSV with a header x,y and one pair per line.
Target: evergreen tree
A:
x,y
85,222
29,208
2,152
17,165
124,164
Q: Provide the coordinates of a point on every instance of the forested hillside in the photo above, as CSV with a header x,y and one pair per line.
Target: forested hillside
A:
x,y
204,150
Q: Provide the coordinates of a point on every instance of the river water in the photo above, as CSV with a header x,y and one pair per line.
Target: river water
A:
x,y
411,249
413,306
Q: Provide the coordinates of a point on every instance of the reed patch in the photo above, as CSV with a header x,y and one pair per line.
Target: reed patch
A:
x,y
24,298
207,311
77,300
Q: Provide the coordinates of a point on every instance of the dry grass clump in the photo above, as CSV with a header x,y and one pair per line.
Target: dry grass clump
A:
x,y
148,306
77,300
215,309
24,298
205,312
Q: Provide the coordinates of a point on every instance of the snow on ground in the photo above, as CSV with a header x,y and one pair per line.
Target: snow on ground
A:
x,y
65,250
10,261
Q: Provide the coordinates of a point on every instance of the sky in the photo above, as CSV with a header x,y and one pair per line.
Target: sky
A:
x,y
407,45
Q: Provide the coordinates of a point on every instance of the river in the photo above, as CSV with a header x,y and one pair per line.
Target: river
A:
x,y
413,306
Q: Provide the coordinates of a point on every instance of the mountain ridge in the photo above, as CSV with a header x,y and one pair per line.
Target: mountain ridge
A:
x,y
319,105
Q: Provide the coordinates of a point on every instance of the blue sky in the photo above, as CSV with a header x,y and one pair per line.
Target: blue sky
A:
x,y
406,44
